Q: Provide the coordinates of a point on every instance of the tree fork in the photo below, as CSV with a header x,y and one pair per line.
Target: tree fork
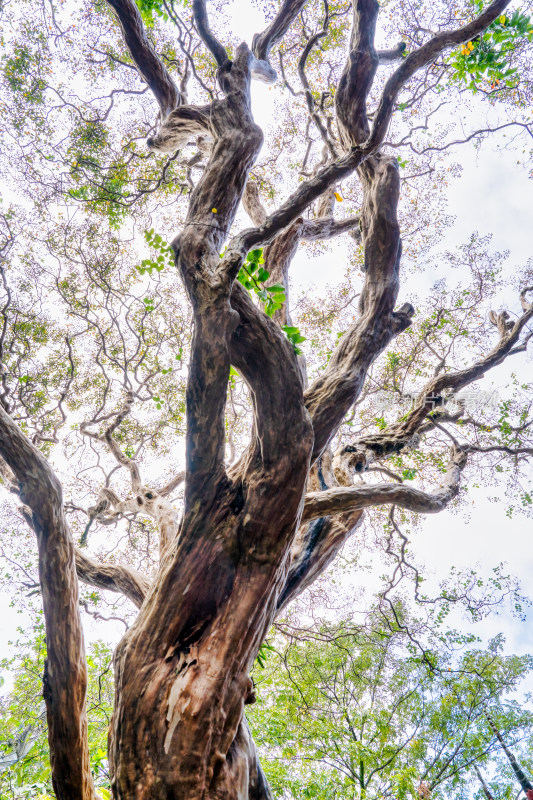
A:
x,y
182,670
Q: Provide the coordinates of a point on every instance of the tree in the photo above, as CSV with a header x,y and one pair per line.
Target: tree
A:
x,y
525,784
92,343
24,760
356,713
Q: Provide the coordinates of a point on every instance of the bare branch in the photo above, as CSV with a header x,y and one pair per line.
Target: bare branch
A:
x,y
210,41
395,436
328,227
499,448
423,56
107,437
176,481
387,56
311,105
265,41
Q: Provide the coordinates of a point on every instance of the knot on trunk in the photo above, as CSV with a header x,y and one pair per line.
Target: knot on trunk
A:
x,y
402,318
346,462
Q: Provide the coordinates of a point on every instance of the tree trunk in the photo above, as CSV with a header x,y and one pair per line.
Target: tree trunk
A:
x,y
525,783
182,670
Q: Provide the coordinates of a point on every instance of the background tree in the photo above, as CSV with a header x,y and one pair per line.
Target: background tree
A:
x,y
356,713
95,392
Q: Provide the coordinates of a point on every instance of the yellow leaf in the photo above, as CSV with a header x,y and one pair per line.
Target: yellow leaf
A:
x,y
214,210
338,197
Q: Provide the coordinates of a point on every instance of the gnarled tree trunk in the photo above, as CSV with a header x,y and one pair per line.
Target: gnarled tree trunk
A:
x,y
250,539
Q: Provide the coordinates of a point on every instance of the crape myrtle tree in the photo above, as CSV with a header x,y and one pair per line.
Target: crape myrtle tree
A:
x,y
106,365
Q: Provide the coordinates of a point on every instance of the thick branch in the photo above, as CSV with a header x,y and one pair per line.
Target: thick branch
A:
x,y
387,56
345,498
208,279
327,227
272,374
252,203
310,190
395,436
486,791
315,547
144,57
113,577
172,485
179,128
337,388
525,783
358,75
278,257
263,42
421,58
340,383
207,37
318,542
306,193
